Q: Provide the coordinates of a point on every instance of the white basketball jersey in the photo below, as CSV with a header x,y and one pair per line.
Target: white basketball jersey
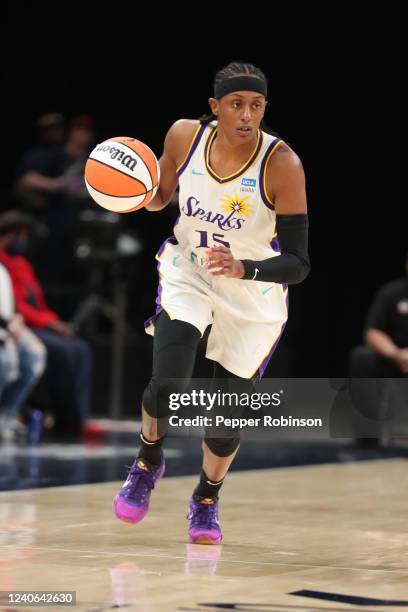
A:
x,y
233,211
246,317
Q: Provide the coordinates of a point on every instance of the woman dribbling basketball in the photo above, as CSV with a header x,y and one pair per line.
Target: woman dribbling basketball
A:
x,y
241,238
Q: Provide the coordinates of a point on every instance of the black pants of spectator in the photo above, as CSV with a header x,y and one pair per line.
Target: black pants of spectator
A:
x,y
68,376
366,363
367,371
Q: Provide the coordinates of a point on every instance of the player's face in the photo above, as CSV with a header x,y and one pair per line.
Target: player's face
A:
x,y
239,114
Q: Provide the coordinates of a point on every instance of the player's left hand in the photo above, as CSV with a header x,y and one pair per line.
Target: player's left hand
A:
x,y
221,262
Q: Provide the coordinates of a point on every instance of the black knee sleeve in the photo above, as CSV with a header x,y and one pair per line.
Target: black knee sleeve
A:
x,y
225,381
157,395
174,351
222,447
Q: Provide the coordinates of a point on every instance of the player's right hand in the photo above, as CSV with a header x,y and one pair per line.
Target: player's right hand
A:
x,y
221,262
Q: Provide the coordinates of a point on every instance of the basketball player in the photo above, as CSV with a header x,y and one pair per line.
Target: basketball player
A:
x,y
241,189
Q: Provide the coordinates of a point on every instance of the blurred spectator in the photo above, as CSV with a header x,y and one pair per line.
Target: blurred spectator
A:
x,y
38,174
22,359
50,184
384,353
68,372
80,141
49,177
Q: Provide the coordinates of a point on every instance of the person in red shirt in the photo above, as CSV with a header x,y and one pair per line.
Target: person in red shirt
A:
x,y
69,364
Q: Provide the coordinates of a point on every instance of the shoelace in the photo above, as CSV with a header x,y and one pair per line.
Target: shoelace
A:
x,y
203,515
139,478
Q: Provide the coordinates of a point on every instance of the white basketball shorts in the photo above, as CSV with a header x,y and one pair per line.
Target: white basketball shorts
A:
x,y
247,317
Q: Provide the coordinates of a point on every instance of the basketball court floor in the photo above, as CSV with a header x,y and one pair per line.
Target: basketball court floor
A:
x,y
296,539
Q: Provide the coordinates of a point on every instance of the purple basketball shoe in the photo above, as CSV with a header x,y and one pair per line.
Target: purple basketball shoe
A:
x,y
131,503
204,523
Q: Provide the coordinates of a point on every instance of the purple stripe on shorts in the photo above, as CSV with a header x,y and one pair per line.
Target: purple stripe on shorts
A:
x,y
193,148
171,239
159,307
285,287
276,245
151,320
267,359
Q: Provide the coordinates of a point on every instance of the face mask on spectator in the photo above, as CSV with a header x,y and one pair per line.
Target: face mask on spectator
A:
x,y
18,247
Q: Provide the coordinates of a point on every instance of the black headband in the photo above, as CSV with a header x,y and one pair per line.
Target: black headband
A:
x,y
239,83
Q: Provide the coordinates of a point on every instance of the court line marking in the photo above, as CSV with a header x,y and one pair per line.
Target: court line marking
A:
x,y
184,558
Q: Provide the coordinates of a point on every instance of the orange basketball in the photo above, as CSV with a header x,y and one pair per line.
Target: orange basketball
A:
x,y
122,174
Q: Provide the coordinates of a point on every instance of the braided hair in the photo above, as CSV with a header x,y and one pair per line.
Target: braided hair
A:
x,y
232,70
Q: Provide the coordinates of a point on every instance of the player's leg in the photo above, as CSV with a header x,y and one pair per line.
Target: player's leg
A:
x,y
218,455
174,351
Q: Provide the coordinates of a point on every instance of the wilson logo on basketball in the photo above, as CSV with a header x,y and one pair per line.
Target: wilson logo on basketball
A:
x,y
122,174
115,153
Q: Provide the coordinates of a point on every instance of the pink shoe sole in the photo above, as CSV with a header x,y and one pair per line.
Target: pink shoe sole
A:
x,y
127,512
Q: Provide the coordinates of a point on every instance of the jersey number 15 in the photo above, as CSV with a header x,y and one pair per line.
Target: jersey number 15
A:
x,y
215,237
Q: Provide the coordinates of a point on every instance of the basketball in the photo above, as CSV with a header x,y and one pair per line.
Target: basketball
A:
x,y
122,174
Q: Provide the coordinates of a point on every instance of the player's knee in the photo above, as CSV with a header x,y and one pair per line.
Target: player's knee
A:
x,y
159,394
222,447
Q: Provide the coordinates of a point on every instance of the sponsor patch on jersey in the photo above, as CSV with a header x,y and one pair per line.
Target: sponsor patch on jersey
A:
x,y
247,182
248,185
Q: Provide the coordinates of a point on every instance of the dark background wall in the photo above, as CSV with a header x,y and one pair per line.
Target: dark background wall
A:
x,y
337,100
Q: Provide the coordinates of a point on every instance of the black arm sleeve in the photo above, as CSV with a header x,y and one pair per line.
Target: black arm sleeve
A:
x,y
292,265
3,323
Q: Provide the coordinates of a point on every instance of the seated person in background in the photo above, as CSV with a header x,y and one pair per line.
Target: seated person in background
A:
x,y
384,355
38,173
22,359
68,374
49,183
